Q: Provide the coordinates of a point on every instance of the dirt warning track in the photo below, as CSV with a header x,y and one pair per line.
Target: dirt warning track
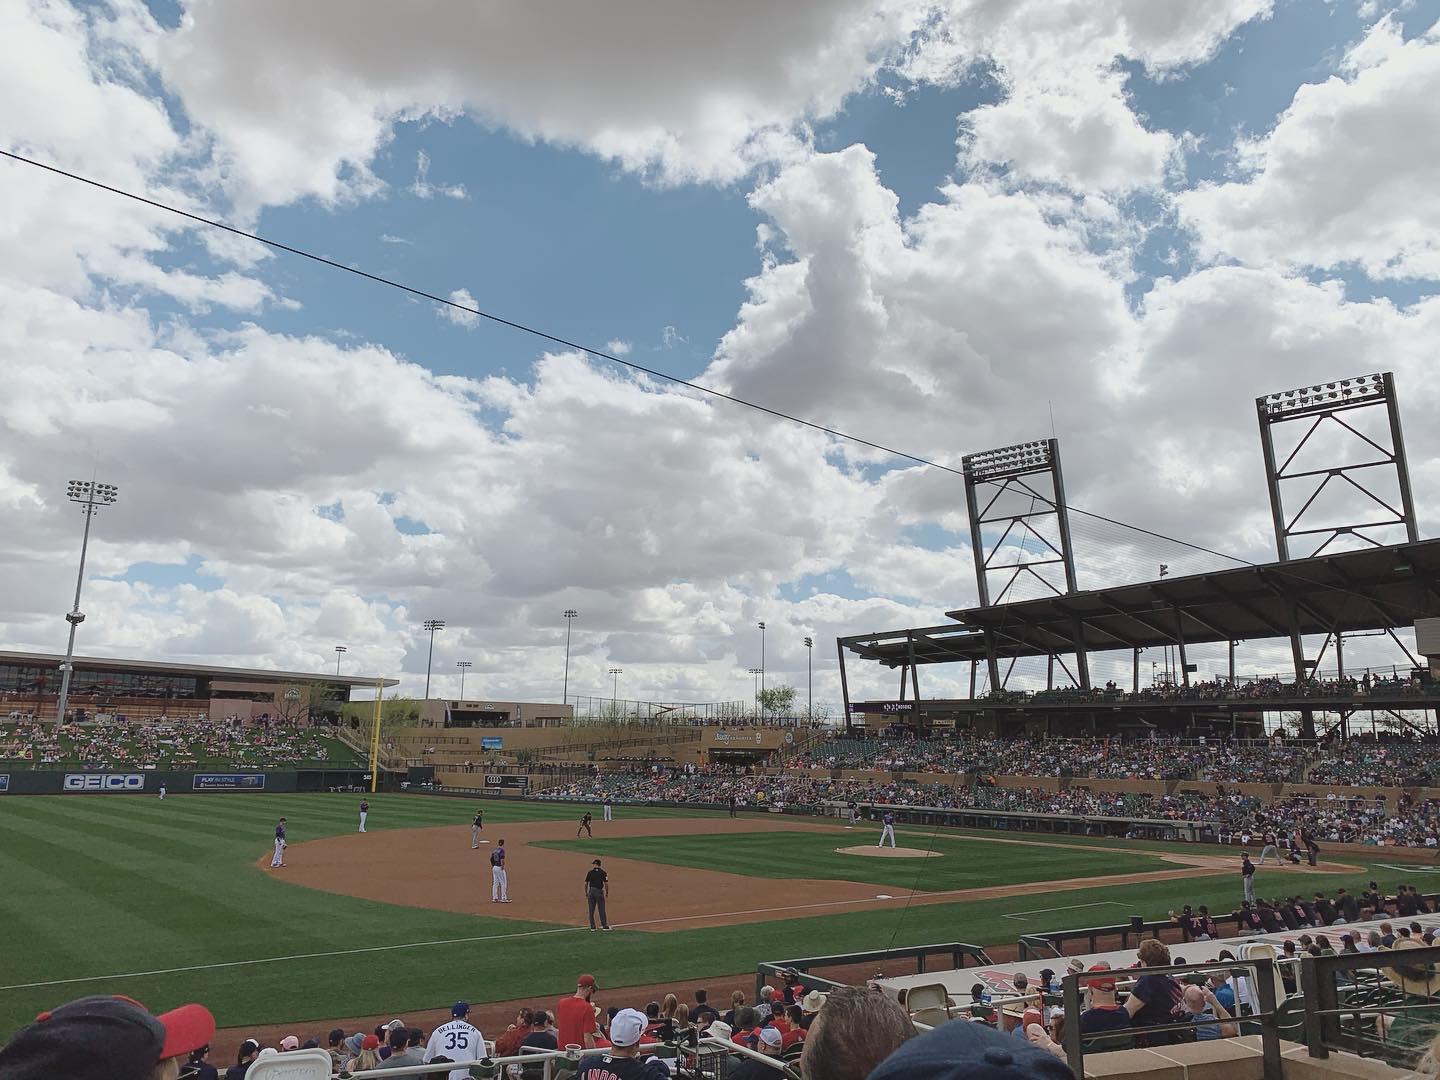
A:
x,y
436,868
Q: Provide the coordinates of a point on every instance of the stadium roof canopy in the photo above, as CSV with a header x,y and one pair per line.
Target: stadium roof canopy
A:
x,y
1368,589
169,667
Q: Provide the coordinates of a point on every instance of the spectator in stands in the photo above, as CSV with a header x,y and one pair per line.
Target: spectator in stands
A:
x,y
1104,1015
621,1059
510,1039
198,1068
855,1031
543,1034
248,1052
962,1051
810,1006
737,1002
402,1053
980,1008
1153,998
795,1021
106,1038
367,1058
702,1012
575,1016
335,1043
767,1042
1199,1004
1420,983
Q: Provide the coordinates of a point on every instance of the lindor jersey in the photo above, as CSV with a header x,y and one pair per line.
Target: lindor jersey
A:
x,y
459,1040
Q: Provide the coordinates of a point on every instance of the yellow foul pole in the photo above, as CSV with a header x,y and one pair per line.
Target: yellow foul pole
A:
x,y
375,737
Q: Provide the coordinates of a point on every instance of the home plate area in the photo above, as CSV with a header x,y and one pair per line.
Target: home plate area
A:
x,y
888,852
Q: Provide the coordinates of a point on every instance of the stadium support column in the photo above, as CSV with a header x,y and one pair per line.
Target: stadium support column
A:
x,y
375,735
1135,675
914,672
1082,656
1231,643
1402,465
973,666
1180,643
844,684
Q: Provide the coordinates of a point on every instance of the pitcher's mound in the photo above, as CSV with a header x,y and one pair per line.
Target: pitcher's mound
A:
x,y
888,852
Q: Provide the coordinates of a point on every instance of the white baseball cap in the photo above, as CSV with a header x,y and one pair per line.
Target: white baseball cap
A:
x,y
719,1030
627,1027
770,1036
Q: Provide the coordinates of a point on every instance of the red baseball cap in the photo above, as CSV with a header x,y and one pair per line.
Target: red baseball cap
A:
x,y
585,980
1104,982
104,1038
187,1028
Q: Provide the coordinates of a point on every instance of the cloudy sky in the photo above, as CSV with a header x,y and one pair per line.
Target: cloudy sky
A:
x,y
940,225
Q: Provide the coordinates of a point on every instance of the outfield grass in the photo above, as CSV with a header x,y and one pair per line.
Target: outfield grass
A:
x,y
120,886
963,863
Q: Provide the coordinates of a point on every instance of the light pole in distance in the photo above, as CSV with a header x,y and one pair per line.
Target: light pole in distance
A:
x,y
756,672
570,616
432,625
758,698
91,497
809,680
462,665
615,674
340,650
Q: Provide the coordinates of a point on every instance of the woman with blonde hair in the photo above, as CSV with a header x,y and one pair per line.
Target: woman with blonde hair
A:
x,y
368,1057
737,1002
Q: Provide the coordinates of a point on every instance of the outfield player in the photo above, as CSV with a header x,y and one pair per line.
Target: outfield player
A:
x,y
607,809
459,1040
162,790
585,825
499,886
279,858
888,830
854,814
476,828
364,813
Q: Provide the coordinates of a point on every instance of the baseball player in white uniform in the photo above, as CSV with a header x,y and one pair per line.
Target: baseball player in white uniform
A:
x,y
364,813
476,828
607,809
499,886
279,858
162,792
888,832
459,1040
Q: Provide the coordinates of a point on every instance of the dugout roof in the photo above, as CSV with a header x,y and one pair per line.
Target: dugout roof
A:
x,y
1369,589
204,671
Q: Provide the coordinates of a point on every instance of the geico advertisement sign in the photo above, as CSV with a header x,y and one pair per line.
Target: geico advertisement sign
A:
x,y
110,782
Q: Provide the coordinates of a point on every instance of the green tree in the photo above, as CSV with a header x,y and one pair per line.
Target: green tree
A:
x,y
777,700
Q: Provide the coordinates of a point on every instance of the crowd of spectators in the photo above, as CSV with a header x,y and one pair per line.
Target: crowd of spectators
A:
x,y
1231,817
169,743
1359,761
1254,688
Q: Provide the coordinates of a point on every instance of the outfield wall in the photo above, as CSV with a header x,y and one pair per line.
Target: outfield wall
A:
x,y
149,781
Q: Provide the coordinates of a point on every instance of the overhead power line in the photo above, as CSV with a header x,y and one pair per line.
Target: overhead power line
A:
x,y
556,339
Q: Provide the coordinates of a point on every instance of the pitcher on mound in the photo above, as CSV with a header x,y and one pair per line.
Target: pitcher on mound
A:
x,y
888,831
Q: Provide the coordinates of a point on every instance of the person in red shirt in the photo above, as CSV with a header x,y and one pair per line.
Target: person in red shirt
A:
x,y
575,1017
795,1032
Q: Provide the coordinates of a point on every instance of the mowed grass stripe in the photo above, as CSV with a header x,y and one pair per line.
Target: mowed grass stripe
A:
x,y
962,863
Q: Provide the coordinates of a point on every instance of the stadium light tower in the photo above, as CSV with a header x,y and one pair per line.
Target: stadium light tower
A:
x,y
462,665
570,616
615,674
91,497
810,680
758,697
431,625
756,672
340,650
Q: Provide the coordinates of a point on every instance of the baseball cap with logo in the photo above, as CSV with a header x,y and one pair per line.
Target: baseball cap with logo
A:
x,y
627,1027
1104,982
460,1008
770,1036
103,1038
585,980
290,1042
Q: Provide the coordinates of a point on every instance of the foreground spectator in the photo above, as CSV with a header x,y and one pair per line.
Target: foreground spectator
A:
x,y
575,1017
964,1051
1198,1005
621,1060
768,1042
248,1052
855,1029
106,1038
1153,998
402,1051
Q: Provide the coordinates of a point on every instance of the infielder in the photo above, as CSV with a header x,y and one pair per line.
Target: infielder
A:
x,y
888,830
854,814
585,826
364,813
476,828
499,890
279,857
607,809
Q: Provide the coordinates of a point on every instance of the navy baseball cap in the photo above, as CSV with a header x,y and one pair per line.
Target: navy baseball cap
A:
x,y
963,1050
103,1038
460,1008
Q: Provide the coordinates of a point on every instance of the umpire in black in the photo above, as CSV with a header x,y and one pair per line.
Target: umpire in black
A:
x,y
597,891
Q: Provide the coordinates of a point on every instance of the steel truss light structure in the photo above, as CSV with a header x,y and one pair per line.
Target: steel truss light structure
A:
x,y
1322,405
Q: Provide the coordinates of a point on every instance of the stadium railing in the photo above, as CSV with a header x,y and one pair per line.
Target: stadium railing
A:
x,y
693,1054
960,954
1259,970
1351,1004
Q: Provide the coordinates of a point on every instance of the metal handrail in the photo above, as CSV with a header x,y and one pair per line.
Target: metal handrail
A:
x,y
1324,1009
959,952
